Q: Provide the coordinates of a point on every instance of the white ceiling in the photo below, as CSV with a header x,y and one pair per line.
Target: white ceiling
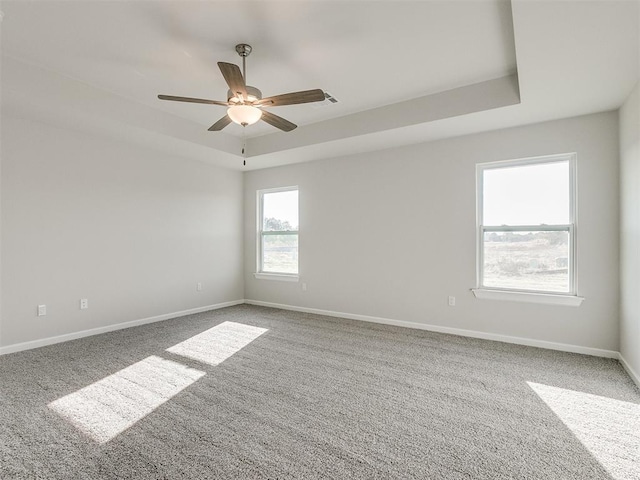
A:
x,y
99,65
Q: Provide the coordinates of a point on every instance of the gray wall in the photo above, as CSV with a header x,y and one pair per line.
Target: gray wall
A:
x,y
388,234
129,229
630,229
392,233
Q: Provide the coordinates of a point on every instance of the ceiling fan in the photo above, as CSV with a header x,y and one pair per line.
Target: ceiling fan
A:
x,y
245,103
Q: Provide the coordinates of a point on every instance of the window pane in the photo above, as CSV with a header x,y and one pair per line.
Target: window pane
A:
x,y
526,195
280,253
280,211
527,260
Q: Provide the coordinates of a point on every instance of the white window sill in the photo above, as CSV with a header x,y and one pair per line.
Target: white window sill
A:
x,y
548,298
282,277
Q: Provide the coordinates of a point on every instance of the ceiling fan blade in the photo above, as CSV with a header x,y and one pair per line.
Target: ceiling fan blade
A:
x,y
192,100
293,98
278,122
233,76
220,124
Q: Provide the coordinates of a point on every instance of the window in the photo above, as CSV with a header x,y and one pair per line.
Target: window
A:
x,y
526,225
278,231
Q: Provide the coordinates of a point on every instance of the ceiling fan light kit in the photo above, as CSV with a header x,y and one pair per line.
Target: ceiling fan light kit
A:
x,y
245,103
244,114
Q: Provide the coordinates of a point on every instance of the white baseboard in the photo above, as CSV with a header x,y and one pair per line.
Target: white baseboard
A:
x,y
632,373
597,352
366,318
18,347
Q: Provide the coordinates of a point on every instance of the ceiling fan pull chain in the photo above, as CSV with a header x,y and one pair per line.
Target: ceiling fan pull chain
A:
x,y
244,145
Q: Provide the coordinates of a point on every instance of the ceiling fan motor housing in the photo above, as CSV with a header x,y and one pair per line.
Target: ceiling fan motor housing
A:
x,y
243,49
252,92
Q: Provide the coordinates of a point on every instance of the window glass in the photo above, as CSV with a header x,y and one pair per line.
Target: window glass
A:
x,y
527,195
526,231
278,233
280,211
280,253
527,260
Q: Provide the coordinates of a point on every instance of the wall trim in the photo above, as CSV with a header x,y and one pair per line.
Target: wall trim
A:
x,y
627,366
18,347
43,342
596,352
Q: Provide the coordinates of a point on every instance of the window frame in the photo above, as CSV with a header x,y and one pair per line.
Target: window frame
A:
x,y
260,272
482,291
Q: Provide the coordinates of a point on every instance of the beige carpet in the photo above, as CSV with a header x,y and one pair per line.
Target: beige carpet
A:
x,y
249,392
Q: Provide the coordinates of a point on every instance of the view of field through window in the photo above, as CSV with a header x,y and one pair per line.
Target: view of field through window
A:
x,y
527,261
280,232
519,203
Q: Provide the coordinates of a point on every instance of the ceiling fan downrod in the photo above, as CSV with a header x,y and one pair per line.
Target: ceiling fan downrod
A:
x,y
244,50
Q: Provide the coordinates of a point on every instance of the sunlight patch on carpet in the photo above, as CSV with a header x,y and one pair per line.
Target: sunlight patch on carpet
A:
x,y
608,428
109,406
215,345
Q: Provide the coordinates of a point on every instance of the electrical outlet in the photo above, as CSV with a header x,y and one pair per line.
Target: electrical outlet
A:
x,y
198,287
42,310
452,301
304,287
84,303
